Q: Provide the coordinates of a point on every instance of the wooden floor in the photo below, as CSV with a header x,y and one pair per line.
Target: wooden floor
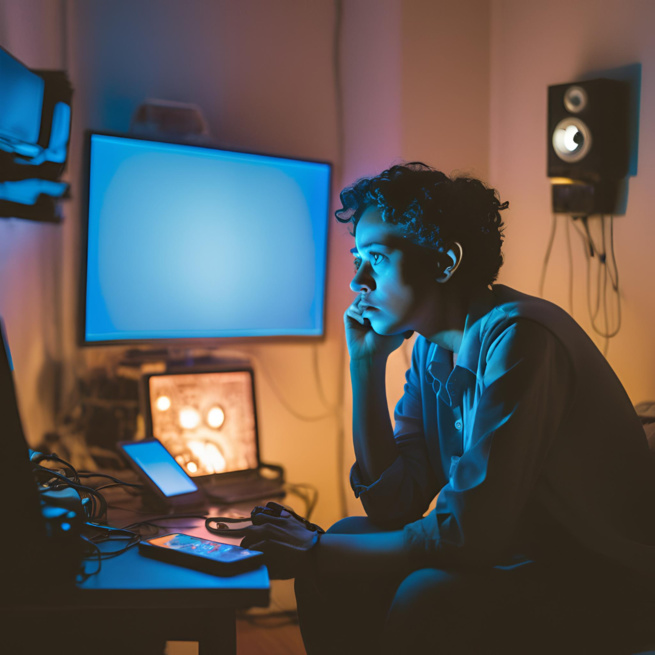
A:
x,y
268,638
258,634
261,638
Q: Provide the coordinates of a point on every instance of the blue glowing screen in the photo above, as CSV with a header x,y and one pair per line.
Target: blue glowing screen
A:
x,y
193,242
158,464
22,103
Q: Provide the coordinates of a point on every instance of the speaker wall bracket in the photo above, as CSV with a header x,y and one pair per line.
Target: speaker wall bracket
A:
x,y
585,198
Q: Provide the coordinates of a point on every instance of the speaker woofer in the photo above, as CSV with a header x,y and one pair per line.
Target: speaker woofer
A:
x,y
571,140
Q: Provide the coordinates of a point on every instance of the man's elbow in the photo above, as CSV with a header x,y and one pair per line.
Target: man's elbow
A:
x,y
391,515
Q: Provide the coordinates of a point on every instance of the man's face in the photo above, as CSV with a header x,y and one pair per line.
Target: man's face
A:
x,y
393,288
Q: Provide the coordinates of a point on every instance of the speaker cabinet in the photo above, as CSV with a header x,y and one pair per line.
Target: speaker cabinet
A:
x,y
588,130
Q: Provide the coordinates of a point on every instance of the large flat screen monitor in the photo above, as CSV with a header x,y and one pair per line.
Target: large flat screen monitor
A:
x,y
190,242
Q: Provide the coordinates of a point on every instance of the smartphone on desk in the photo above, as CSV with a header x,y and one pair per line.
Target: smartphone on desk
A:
x,y
162,475
201,554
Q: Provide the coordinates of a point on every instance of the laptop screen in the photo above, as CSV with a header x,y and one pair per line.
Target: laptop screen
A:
x,y
205,419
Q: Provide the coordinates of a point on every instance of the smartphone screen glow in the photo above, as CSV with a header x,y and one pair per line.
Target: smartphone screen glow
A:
x,y
160,466
203,547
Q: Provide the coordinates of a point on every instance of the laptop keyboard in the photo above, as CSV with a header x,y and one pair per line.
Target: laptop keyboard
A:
x,y
238,490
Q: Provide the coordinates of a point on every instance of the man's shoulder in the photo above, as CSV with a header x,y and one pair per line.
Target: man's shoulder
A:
x,y
511,305
512,302
535,318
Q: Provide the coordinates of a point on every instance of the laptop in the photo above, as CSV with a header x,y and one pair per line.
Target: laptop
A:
x,y
207,420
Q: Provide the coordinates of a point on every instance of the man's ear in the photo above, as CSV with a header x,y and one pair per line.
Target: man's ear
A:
x,y
453,256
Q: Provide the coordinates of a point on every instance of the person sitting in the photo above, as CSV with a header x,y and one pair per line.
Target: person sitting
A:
x,y
542,538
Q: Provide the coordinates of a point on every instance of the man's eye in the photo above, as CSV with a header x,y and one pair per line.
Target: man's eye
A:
x,y
376,257
357,262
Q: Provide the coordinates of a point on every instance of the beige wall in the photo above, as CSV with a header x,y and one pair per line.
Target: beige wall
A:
x,y
459,85
412,93
536,44
263,74
445,84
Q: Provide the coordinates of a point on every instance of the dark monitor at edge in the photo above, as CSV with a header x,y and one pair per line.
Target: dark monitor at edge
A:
x,y
21,509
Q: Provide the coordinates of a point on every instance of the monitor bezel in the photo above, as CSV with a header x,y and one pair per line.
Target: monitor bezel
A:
x,y
182,342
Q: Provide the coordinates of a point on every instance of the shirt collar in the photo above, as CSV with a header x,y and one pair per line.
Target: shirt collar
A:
x,y
440,363
440,366
469,349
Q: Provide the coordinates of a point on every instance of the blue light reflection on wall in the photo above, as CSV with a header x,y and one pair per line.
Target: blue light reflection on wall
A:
x,y
186,242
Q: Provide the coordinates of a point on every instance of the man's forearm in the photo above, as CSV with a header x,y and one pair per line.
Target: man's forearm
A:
x,y
373,440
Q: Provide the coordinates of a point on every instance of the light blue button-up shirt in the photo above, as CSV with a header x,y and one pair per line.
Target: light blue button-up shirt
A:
x,y
530,440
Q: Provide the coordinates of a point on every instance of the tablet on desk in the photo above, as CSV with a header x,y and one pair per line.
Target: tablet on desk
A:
x,y
161,473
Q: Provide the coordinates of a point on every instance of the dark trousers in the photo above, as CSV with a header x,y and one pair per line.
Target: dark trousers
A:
x,y
530,609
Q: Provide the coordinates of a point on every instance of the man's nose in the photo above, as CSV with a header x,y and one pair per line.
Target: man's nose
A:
x,y
362,280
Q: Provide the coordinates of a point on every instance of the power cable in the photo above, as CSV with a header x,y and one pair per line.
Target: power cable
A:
x,y
242,354
301,417
604,272
615,279
549,248
338,81
569,251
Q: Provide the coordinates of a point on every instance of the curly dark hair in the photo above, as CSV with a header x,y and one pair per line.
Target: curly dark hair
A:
x,y
435,210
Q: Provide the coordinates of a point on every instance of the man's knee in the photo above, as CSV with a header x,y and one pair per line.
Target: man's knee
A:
x,y
433,608
435,591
